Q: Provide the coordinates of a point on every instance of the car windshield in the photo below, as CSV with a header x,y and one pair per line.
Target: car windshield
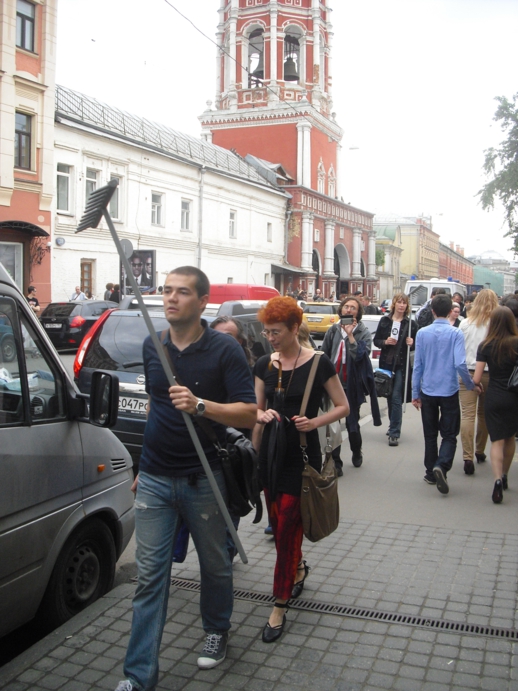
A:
x,y
61,309
319,309
119,341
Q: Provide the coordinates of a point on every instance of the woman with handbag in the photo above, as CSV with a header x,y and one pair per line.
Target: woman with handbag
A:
x,y
280,384
499,350
474,328
395,334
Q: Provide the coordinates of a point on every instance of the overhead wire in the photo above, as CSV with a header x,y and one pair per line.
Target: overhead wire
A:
x,y
288,106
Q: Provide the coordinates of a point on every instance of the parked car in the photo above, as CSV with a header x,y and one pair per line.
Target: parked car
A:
x,y
115,344
66,510
371,321
67,323
319,316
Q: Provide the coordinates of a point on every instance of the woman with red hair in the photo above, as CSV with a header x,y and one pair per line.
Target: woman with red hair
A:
x,y
280,381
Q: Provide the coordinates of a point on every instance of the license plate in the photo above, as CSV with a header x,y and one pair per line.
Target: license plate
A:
x,y
129,404
314,319
53,326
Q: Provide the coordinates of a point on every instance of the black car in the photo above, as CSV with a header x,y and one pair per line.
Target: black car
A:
x,y
115,345
67,323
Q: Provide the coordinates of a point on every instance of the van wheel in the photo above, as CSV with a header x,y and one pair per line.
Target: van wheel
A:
x,y
8,349
84,572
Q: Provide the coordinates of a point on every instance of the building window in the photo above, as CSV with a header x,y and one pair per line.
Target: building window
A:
x,y
186,215
86,277
115,200
25,25
317,234
156,209
269,232
232,230
91,181
331,185
22,141
63,187
321,178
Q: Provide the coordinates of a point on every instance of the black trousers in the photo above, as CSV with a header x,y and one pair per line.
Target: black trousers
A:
x,y
440,415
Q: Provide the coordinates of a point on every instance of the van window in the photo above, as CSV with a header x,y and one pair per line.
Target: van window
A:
x,y
43,377
11,401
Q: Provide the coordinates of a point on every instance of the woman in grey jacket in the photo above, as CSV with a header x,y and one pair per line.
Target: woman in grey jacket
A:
x,y
347,344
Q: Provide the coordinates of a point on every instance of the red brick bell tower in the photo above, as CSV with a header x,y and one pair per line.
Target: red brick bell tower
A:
x,y
273,101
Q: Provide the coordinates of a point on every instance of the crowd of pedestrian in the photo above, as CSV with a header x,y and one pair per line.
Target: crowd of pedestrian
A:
x,y
220,380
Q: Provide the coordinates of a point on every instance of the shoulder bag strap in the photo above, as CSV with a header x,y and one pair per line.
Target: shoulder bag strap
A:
x,y
307,392
399,346
203,423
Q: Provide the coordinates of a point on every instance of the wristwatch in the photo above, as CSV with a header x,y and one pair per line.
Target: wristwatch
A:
x,y
200,408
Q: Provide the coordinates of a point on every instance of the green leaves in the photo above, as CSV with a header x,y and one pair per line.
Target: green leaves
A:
x,y
501,164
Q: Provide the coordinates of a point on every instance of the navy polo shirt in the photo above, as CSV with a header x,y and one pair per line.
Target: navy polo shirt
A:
x,y
213,368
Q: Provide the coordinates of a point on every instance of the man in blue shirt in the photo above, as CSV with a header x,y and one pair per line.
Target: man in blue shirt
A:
x,y
440,358
172,486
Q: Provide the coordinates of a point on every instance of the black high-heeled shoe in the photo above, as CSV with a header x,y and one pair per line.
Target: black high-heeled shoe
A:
x,y
497,495
504,482
481,457
273,633
299,586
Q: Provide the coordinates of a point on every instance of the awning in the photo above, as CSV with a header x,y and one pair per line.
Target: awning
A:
x,y
287,268
25,227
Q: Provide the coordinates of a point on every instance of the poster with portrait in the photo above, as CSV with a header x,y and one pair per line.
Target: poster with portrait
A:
x,y
143,267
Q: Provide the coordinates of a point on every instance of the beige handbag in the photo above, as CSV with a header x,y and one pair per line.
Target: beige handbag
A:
x,y
319,505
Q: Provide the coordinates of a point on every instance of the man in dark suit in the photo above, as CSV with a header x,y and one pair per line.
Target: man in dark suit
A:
x,y
137,267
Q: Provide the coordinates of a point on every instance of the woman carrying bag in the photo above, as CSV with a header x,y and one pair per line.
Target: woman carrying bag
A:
x,y
280,383
394,339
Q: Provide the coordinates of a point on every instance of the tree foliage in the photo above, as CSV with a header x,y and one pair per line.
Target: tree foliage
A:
x,y
380,256
501,165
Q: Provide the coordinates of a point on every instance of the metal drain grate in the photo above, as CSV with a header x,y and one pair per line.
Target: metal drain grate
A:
x,y
365,613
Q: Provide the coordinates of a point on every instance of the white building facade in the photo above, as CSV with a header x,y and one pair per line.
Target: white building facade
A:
x,y
190,201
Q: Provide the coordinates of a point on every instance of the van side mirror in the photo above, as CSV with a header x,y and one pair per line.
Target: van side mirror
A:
x,y
104,399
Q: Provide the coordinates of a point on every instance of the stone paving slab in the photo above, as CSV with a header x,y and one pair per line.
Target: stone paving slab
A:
x,y
463,576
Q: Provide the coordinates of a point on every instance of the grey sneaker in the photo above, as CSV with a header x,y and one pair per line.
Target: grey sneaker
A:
x,y
393,441
440,477
214,651
125,685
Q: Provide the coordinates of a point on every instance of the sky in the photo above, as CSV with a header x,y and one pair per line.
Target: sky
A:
x,y
414,87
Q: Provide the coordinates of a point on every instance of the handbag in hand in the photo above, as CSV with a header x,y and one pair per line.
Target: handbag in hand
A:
x,y
383,379
319,505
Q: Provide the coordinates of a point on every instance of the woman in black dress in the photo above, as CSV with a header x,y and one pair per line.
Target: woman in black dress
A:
x,y
288,368
500,351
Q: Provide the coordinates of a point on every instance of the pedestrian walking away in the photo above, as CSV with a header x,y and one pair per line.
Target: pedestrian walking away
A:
x,y
395,335
171,487
499,350
440,358
108,292
348,346
473,430
280,382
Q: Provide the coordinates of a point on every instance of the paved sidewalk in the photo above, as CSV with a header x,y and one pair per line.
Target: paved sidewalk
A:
x,y
379,611
467,577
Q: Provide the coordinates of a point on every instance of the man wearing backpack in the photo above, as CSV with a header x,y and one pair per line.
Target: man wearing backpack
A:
x,y
424,316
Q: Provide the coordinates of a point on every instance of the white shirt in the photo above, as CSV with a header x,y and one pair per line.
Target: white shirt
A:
x,y
473,337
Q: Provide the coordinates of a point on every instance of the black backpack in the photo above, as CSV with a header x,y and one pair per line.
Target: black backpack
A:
x,y
425,317
240,466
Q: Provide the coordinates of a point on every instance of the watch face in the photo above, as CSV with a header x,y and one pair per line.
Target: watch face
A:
x,y
200,407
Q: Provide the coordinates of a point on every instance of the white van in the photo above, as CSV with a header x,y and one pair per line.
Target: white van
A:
x,y
420,292
66,509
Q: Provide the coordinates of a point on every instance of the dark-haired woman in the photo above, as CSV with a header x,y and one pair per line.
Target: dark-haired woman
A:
x,y
500,351
289,365
394,335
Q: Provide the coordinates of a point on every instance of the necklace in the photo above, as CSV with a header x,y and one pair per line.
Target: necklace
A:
x,y
292,371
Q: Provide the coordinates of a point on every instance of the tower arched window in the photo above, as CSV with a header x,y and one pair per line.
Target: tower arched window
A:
x,y
255,58
321,178
331,183
292,58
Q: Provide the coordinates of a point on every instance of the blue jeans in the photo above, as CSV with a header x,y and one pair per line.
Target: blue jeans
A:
x,y
395,405
440,414
159,503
